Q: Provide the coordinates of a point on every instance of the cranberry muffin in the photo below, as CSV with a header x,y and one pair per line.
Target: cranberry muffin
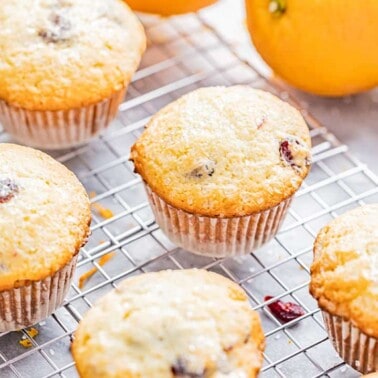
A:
x,y
344,281
44,220
221,165
187,323
64,67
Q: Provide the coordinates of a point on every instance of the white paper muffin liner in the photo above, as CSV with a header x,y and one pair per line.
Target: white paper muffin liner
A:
x,y
61,128
357,349
26,305
217,237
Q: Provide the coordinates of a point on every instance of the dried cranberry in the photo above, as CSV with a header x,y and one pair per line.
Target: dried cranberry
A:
x,y
284,311
205,168
58,31
294,153
285,152
8,189
181,370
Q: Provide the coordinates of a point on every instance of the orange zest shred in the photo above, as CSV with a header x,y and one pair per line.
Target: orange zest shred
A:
x,y
26,343
103,211
103,260
92,194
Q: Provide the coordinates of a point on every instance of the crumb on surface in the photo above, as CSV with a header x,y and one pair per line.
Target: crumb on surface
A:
x,y
27,343
87,275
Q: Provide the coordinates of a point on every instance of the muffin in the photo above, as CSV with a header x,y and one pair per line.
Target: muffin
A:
x,y
64,67
344,282
44,220
221,165
169,7
189,323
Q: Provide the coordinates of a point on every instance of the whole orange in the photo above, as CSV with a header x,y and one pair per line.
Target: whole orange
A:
x,y
168,7
326,47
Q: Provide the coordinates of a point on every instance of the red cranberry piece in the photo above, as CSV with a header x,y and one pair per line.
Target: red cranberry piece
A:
x,y
294,153
8,189
181,370
284,311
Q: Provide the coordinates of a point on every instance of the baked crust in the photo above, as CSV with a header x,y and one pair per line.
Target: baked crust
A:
x,y
168,324
218,152
344,274
59,55
46,221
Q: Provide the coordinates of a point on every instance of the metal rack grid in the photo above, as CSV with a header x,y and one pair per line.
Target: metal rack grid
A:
x,y
185,54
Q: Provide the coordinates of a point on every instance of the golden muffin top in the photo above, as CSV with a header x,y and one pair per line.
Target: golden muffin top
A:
x,y
171,324
62,54
344,274
44,215
224,151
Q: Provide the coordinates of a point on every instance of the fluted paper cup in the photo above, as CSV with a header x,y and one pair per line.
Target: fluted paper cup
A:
x,y
61,128
357,349
34,301
216,236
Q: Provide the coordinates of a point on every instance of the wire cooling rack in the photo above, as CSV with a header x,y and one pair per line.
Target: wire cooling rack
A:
x,y
185,54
